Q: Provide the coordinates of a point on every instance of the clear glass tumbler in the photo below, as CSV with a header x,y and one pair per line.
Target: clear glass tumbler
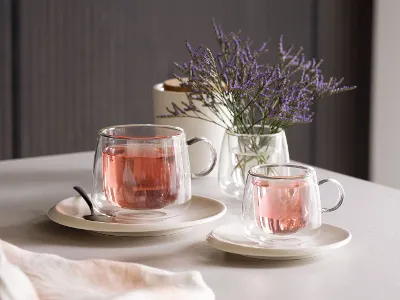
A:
x,y
282,204
143,171
241,152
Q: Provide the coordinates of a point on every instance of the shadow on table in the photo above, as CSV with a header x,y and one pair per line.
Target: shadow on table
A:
x,y
204,255
207,255
42,231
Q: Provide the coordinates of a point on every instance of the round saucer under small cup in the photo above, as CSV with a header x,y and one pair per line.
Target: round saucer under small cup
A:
x,y
232,239
69,212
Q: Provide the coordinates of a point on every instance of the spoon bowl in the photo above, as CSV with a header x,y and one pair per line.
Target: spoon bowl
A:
x,y
93,216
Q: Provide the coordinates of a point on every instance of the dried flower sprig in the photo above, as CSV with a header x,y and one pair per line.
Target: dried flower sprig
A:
x,y
246,96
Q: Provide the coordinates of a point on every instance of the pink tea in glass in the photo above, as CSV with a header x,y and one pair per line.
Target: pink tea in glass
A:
x,y
140,176
280,208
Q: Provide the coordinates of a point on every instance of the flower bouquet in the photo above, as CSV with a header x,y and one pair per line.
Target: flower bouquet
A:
x,y
255,102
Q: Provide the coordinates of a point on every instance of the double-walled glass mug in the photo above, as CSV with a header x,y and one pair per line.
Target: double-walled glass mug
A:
x,y
282,205
143,171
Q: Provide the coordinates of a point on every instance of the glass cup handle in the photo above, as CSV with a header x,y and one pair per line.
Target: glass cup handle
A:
x,y
341,194
213,160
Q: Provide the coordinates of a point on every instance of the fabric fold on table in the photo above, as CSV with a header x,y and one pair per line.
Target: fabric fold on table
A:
x,y
26,275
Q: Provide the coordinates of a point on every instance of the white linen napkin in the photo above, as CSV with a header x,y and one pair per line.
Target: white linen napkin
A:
x,y
26,275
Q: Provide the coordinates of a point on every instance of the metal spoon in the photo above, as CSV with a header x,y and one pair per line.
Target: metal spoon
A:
x,y
93,216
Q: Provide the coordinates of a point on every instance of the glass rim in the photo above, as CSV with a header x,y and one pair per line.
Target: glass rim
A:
x,y
307,171
102,131
254,134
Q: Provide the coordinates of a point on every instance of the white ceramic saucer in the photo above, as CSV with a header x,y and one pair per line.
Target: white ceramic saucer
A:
x,y
230,238
202,210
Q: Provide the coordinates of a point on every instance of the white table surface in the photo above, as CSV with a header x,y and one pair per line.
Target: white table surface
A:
x,y
367,268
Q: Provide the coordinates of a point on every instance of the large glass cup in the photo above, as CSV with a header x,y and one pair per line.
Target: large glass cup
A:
x,y
143,171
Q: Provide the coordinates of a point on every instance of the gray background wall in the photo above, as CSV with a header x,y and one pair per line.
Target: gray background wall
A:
x,y
385,143
6,146
70,67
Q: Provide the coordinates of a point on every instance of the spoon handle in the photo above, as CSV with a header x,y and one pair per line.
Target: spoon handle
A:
x,y
85,197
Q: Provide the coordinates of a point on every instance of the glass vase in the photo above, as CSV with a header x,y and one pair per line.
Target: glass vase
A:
x,y
241,152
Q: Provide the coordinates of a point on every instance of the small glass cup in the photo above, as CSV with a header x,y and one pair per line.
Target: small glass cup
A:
x,y
282,205
143,171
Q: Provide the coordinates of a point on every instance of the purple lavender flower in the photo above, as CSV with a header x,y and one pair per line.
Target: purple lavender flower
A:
x,y
274,95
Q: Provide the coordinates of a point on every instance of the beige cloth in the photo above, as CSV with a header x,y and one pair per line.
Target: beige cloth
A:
x,y
26,275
